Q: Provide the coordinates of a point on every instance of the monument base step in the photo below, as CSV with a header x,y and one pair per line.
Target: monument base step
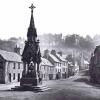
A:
x,y
38,88
30,82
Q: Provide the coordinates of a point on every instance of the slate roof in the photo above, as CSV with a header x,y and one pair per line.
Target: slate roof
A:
x,y
10,56
46,62
54,58
61,58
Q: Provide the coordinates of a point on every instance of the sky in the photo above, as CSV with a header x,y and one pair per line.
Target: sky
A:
x,y
51,16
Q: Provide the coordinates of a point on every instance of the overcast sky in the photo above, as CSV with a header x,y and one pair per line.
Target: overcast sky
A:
x,y
51,16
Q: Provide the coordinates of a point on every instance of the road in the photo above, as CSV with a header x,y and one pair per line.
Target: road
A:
x,y
73,88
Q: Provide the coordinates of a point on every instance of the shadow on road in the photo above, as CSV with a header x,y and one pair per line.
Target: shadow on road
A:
x,y
84,73
84,77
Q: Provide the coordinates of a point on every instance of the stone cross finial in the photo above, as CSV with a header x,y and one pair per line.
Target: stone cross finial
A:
x,y
32,7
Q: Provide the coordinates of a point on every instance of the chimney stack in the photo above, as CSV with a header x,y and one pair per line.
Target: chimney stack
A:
x,y
60,53
46,53
53,52
17,50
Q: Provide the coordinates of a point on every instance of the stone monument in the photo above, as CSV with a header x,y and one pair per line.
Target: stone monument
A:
x,y
31,56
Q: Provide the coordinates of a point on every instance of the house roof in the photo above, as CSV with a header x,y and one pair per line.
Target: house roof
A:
x,y
10,56
54,58
70,63
61,58
86,62
64,56
46,62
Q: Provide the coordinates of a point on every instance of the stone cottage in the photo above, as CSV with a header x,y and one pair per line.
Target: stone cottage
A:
x,y
46,69
11,67
64,64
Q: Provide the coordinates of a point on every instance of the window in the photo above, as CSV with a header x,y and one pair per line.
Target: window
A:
x,y
56,70
14,65
8,63
48,68
44,67
40,67
66,69
18,77
9,77
63,69
18,65
1,65
44,75
13,76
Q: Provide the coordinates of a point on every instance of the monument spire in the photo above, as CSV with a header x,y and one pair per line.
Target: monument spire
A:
x,y
32,19
32,7
32,34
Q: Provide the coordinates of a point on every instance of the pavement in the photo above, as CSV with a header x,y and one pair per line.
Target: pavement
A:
x,y
77,87
8,86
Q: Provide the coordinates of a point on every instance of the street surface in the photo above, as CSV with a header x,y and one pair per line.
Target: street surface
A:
x,y
73,88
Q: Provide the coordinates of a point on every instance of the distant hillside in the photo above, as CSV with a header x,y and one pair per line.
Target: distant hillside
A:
x,y
96,40
70,44
56,41
11,43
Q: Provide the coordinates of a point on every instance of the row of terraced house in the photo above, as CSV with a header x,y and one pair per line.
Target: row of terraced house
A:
x,y
53,66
